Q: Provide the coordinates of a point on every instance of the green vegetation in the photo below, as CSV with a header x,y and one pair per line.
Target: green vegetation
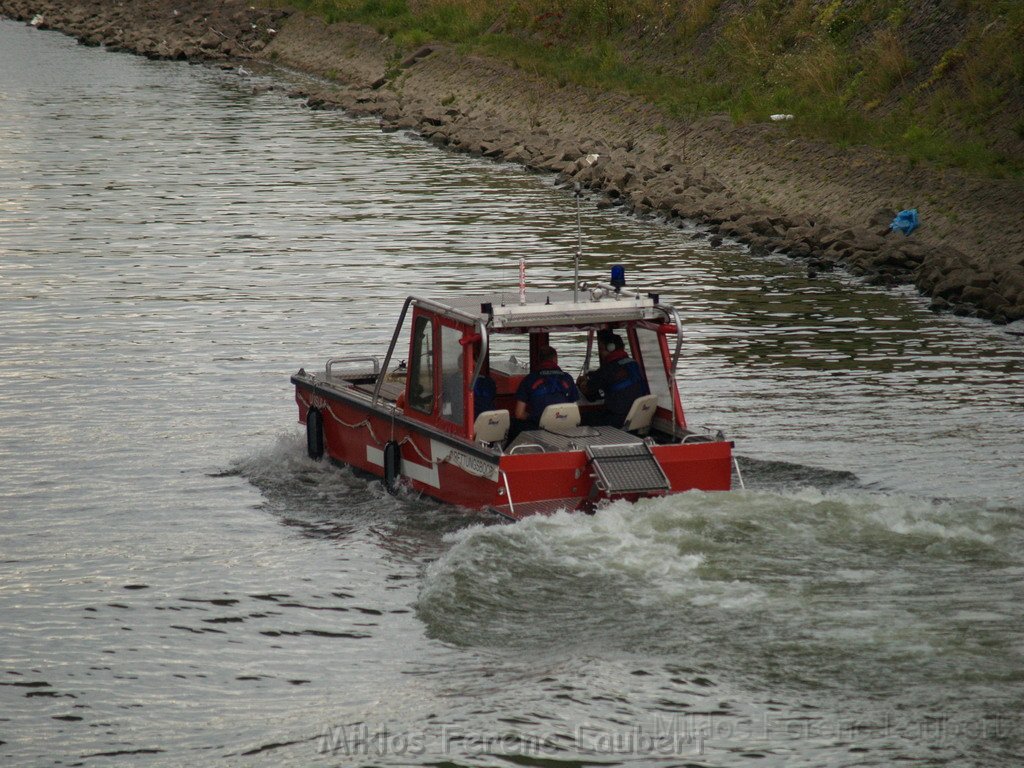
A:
x,y
941,82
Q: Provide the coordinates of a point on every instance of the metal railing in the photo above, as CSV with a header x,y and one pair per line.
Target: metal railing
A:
x,y
346,360
391,348
516,448
508,491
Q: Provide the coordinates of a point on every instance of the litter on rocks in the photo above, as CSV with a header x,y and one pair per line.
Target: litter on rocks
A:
x,y
905,221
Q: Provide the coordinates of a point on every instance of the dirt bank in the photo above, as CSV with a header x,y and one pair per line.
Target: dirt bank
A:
x,y
754,183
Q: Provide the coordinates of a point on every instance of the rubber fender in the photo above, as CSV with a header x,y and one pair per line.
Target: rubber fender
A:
x,y
392,465
315,434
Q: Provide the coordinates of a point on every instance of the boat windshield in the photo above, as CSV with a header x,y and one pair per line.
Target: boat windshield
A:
x,y
509,353
452,394
657,378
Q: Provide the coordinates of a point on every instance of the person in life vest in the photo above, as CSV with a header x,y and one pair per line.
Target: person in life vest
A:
x,y
546,386
618,380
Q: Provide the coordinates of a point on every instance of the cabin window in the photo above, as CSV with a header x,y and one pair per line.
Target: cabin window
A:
x,y
452,389
510,354
654,366
421,366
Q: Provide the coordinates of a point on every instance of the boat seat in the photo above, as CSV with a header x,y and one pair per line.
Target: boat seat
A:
x,y
641,414
560,417
491,427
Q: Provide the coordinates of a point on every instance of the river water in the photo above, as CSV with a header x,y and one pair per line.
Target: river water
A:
x,y
180,585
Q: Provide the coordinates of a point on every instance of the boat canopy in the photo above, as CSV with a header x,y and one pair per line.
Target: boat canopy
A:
x,y
598,305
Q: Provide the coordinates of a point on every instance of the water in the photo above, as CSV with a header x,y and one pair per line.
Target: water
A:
x,y
180,585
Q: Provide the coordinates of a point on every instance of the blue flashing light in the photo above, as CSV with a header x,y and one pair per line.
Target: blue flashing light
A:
x,y
618,276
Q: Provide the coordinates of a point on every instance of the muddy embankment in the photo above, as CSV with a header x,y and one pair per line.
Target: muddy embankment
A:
x,y
758,184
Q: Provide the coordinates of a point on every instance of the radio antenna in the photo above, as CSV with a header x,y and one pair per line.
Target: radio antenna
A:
x,y
587,161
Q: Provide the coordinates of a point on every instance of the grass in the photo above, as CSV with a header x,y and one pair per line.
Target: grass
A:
x,y
843,67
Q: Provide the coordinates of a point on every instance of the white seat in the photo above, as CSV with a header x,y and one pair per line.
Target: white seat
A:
x,y
491,427
640,415
560,417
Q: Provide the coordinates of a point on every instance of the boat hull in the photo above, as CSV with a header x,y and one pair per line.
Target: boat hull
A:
x,y
366,435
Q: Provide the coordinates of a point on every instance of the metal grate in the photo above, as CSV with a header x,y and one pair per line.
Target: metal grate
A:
x,y
629,468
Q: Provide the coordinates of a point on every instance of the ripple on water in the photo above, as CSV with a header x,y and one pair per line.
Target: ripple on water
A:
x,y
179,576
848,586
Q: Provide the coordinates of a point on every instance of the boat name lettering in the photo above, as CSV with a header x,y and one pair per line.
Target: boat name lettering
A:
x,y
472,464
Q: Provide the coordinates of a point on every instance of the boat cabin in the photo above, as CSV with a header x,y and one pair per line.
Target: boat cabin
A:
x,y
454,344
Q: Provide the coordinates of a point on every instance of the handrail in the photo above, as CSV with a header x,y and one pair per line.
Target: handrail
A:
x,y
672,314
483,352
515,448
508,491
590,349
444,310
368,358
391,349
739,475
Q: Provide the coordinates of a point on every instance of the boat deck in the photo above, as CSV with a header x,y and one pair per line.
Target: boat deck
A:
x,y
389,390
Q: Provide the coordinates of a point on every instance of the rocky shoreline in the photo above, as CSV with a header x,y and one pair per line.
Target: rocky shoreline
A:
x,y
757,184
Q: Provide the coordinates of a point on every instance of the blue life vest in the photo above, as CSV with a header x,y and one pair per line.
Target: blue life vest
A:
x,y
548,387
484,393
622,382
632,378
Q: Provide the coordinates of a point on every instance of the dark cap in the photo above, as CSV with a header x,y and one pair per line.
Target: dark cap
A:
x,y
608,336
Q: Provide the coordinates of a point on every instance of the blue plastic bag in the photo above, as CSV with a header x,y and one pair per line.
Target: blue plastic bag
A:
x,y
905,221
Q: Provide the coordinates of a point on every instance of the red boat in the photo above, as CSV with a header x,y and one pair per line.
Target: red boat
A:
x,y
414,422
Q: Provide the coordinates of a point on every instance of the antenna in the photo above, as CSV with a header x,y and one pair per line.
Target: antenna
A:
x,y
522,281
587,161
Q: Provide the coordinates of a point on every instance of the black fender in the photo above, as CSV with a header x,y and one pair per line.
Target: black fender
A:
x,y
314,434
392,465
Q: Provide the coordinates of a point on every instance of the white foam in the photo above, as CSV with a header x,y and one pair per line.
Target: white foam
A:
x,y
726,551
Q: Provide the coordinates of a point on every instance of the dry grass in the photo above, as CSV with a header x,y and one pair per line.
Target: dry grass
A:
x,y
843,67
885,64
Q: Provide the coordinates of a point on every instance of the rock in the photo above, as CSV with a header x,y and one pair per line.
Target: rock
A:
x,y
211,40
759,247
422,53
799,235
882,217
973,295
991,302
865,239
952,285
841,239
430,117
841,251
737,229
493,151
567,153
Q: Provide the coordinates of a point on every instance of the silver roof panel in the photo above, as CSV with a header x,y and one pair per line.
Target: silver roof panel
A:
x,y
548,308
